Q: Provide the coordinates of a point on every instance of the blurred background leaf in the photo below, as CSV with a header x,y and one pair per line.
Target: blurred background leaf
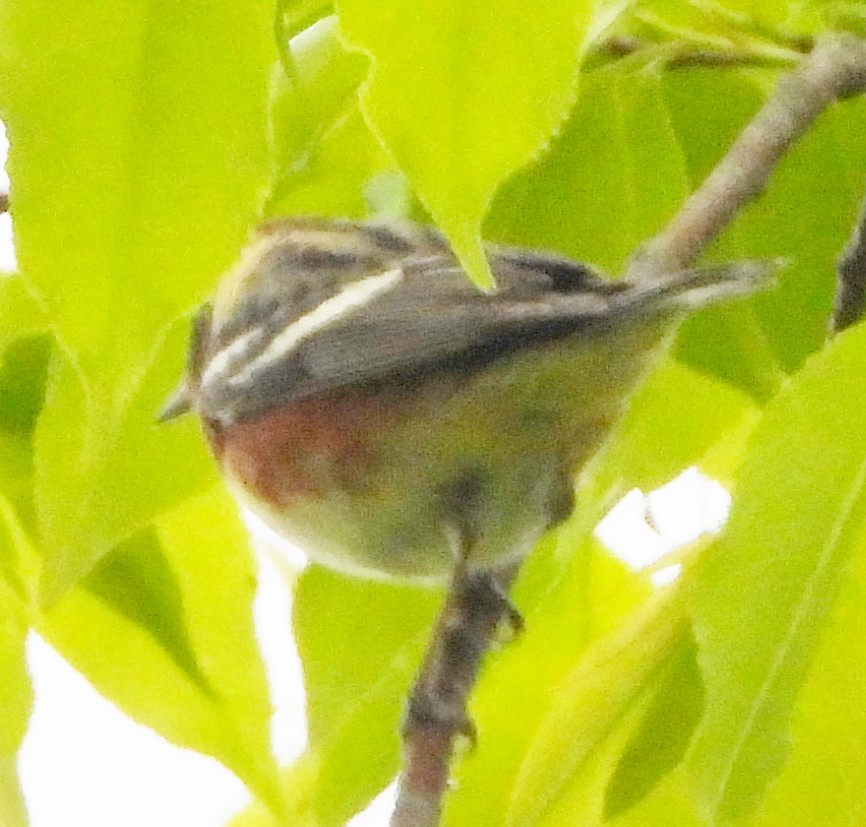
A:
x,y
763,595
137,169
163,627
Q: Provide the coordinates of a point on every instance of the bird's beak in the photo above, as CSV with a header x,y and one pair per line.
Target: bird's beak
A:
x,y
179,403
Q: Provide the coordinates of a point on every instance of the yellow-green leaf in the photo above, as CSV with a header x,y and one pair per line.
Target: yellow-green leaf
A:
x,y
163,627
602,691
761,597
464,92
138,160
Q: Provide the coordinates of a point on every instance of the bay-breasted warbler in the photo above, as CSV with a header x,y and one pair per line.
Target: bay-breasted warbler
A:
x,y
377,409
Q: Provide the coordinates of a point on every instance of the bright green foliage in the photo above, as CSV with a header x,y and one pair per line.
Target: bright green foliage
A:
x,y
463,92
825,773
566,609
802,503
660,741
147,141
314,120
357,674
11,801
136,177
163,627
16,700
138,163
16,684
599,696
600,160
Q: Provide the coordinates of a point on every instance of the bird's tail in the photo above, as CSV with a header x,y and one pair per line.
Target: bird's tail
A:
x,y
700,286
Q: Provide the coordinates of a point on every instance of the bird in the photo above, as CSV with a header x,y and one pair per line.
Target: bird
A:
x,y
374,407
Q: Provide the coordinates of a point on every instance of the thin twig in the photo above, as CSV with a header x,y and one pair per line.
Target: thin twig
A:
x,y
851,283
835,69
4,202
686,55
475,606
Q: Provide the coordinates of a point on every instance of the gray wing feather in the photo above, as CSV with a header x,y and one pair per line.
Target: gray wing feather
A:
x,y
437,317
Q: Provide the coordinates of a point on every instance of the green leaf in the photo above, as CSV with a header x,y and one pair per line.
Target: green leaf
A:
x,y
299,781
669,803
138,159
572,593
673,421
602,696
718,24
660,741
102,217
16,692
23,372
761,597
464,94
309,105
293,16
799,218
596,194
13,812
116,478
24,353
163,627
729,342
360,643
19,313
136,580
825,776
23,376
333,179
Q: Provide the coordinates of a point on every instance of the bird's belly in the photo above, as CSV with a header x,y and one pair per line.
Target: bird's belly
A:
x,y
400,527
367,483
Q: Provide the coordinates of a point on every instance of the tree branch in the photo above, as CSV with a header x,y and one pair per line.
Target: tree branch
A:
x,y
835,69
475,606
